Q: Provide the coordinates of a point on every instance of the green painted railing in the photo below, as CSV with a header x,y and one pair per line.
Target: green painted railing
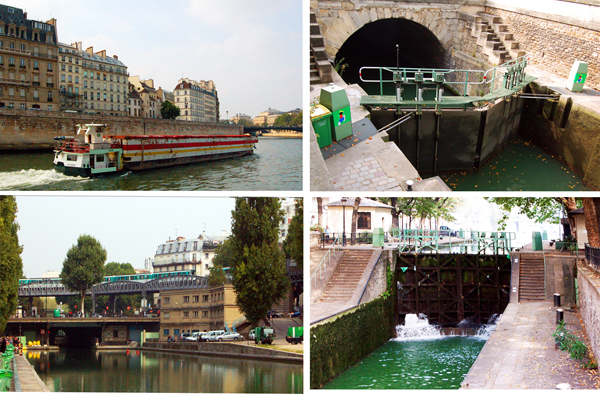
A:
x,y
472,242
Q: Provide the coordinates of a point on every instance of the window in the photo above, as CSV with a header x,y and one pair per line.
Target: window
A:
x,y
186,314
205,297
186,299
167,315
205,255
167,300
194,257
196,314
165,332
196,299
364,220
204,314
176,332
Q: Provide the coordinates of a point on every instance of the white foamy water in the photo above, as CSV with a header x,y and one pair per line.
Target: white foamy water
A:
x,y
32,177
486,330
416,328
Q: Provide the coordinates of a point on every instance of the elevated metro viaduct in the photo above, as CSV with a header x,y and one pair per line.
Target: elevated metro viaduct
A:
x,y
82,332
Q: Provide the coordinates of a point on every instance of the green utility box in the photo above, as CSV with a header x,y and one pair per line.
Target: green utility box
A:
x,y
322,122
335,99
577,76
295,334
537,241
56,313
378,237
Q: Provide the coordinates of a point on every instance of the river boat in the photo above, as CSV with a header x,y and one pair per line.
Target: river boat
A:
x,y
104,153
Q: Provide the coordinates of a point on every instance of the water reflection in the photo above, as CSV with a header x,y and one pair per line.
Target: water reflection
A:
x,y
155,372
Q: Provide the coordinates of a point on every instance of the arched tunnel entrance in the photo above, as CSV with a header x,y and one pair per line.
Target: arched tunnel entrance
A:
x,y
75,337
375,45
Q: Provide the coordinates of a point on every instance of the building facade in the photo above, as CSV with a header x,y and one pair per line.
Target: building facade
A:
x,y
28,61
150,102
103,79
197,101
200,310
267,117
195,255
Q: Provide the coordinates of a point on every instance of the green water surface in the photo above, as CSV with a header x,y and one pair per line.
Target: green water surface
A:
x,y
521,166
439,363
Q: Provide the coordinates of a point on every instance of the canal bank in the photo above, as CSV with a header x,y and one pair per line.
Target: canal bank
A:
x,y
25,379
227,350
521,354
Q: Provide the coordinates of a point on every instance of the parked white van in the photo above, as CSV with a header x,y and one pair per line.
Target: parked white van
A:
x,y
214,335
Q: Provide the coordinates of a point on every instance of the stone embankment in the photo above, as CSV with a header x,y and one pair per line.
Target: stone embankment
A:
x,y
239,350
30,130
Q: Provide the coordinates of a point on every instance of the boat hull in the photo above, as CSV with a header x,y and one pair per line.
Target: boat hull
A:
x,y
138,153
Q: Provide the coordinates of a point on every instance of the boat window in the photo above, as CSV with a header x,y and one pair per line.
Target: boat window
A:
x,y
71,157
100,157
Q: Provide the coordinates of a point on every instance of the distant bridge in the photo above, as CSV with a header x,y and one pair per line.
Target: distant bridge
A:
x,y
253,129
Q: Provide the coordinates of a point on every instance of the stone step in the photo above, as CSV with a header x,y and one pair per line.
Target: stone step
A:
x,y
314,29
490,18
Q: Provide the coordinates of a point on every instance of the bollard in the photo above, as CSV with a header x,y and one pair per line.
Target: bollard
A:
x,y
559,315
556,299
409,184
563,386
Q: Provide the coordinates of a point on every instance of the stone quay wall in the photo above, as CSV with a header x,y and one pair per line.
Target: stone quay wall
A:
x,y
589,305
553,45
27,130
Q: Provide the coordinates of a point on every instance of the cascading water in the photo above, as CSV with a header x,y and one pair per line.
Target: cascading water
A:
x,y
417,328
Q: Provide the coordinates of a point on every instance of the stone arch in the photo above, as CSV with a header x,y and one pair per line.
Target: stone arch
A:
x,y
337,25
374,45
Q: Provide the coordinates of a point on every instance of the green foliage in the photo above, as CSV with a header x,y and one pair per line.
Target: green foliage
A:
x,y
217,276
545,209
169,110
570,343
224,256
11,265
245,122
317,228
259,273
422,207
288,119
340,66
346,339
84,266
132,301
294,241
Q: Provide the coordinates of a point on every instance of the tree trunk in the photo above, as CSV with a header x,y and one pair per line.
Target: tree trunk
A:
x,y
394,202
82,300
320,211
570,204
591,208
355,216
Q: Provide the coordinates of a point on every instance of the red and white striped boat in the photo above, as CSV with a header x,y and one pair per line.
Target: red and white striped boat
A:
x,y
103,153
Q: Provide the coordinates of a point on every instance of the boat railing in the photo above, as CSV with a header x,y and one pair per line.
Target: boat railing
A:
x,y
71,146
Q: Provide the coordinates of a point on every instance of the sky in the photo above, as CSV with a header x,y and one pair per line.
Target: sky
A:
x,y
250,49
129,227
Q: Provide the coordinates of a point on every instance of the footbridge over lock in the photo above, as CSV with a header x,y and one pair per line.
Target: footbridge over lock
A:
x,y
453,280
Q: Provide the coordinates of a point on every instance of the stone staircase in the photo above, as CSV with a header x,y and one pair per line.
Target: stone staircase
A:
x,y
321,70
349,271
532,277
492,35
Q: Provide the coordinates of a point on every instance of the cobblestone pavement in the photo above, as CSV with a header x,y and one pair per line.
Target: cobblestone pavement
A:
x,y
365,174
521,353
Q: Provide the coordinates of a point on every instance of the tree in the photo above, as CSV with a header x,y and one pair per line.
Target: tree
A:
x,y
538,209
259,275
355,216
591,209
421,208
122,302
11,265
83,267
320,211
169,110
294,243
216,276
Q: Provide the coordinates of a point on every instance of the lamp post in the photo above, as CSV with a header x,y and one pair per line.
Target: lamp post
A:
x,y
344,220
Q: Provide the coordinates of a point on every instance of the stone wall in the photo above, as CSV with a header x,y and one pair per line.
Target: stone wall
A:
x,y
589,305
31,130
554,46
567,130
559,278
377,283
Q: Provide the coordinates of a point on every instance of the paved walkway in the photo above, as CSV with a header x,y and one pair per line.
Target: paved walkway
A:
x,y
520,354
28,379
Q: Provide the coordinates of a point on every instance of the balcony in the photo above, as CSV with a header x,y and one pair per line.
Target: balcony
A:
x,y
13,82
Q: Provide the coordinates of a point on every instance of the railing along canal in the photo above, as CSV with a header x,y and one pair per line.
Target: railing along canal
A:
x,y
592,256
477,242
322,268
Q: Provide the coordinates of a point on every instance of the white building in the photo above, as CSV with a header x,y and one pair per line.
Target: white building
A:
x,y
289,209
183,254
371,214
197,101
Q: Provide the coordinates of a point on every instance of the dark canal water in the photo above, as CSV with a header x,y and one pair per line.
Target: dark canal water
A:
x,y
521,166
439,363
79,370
275,165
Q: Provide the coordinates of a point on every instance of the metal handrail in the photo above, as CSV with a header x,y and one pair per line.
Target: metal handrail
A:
x,y
419,240
336,243
512,73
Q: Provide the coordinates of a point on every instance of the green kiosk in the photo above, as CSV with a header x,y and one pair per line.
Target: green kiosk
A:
x,y
334,98
577,76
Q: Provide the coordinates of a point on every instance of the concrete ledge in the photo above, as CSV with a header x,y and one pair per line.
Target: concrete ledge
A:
x,y
227,350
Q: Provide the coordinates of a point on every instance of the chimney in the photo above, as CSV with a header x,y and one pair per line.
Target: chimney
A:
x,y
90,50
115,57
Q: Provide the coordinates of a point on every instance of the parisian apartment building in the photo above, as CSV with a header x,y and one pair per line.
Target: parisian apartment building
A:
x,y
92,82
181,254
28,61
197,101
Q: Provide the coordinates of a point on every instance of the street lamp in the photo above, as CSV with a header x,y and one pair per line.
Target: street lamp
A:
x,y
344,199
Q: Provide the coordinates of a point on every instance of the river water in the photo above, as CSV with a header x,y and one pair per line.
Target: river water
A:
x,y
275,165
78,370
